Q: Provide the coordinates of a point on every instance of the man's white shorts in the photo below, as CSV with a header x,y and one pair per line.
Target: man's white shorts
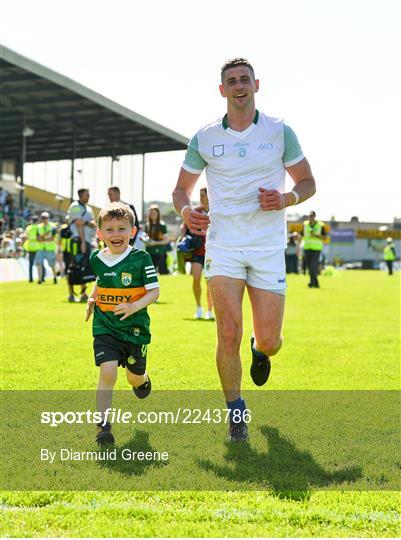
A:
x,y
260,269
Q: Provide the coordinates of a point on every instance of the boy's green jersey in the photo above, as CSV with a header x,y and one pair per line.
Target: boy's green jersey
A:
x,y
123,279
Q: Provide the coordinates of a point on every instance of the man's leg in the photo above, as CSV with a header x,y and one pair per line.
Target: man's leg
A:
x,y
31,255
209,314
315,256
227,294
196,271
39,269
268,314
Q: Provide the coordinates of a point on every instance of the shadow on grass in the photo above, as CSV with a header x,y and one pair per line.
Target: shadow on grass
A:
x,y
193,319
138,443
288,472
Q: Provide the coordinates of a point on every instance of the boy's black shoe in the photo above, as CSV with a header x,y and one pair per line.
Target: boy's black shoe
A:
x,y
260,368
144,390
104,435
238,432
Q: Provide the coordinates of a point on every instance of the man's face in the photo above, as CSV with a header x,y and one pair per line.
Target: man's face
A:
x,y
239,87
84,197
114,196
312,218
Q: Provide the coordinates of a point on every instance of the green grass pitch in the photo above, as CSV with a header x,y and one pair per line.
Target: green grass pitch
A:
x,y
345,336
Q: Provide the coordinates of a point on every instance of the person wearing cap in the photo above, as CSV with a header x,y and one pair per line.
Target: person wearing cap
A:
x,y
314,234
32,245
47,238
389,255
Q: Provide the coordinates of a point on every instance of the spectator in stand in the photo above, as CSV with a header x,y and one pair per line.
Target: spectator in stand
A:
x,y
3,198
47,237
156,239
10,211
19,241
83,230
115,196
292,254
32,245
8,245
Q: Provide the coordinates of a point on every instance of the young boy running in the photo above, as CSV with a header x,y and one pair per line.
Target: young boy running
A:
x,y
126,284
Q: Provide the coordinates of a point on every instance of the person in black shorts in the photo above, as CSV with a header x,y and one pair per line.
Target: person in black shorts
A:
x,y
197,260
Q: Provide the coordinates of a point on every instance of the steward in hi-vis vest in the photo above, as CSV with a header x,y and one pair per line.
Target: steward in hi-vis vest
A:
x,y
311,241
32,244
389,255
47,237
313,234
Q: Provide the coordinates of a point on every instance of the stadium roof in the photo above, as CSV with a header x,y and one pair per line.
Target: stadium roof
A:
x,y
68,119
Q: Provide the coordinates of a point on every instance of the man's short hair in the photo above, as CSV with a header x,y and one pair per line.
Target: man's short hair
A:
x,y
114,188
82,191
235,62
116,210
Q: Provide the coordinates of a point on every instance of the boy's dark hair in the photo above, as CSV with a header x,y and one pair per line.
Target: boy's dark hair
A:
x,y
116,189
234,62
116,210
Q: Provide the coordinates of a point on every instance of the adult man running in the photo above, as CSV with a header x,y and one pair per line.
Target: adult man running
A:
x,y
246,155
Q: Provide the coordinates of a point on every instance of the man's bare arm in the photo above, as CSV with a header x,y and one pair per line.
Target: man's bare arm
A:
x,y
305,187
195,220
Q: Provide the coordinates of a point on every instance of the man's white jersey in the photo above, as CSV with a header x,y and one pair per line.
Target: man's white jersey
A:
x,y
237,164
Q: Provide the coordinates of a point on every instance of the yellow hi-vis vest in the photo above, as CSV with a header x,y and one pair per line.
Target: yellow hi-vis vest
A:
x,y
388,253
47,245
31,243
310,242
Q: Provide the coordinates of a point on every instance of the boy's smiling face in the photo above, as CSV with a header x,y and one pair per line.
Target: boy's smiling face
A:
x,y
116,234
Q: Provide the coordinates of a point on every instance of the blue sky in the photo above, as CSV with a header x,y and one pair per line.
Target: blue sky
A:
x,y
330,68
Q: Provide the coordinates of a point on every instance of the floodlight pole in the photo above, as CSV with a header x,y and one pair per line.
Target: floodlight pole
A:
x,y
113,159
143,187
112,171
23,157
26,132
72,165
